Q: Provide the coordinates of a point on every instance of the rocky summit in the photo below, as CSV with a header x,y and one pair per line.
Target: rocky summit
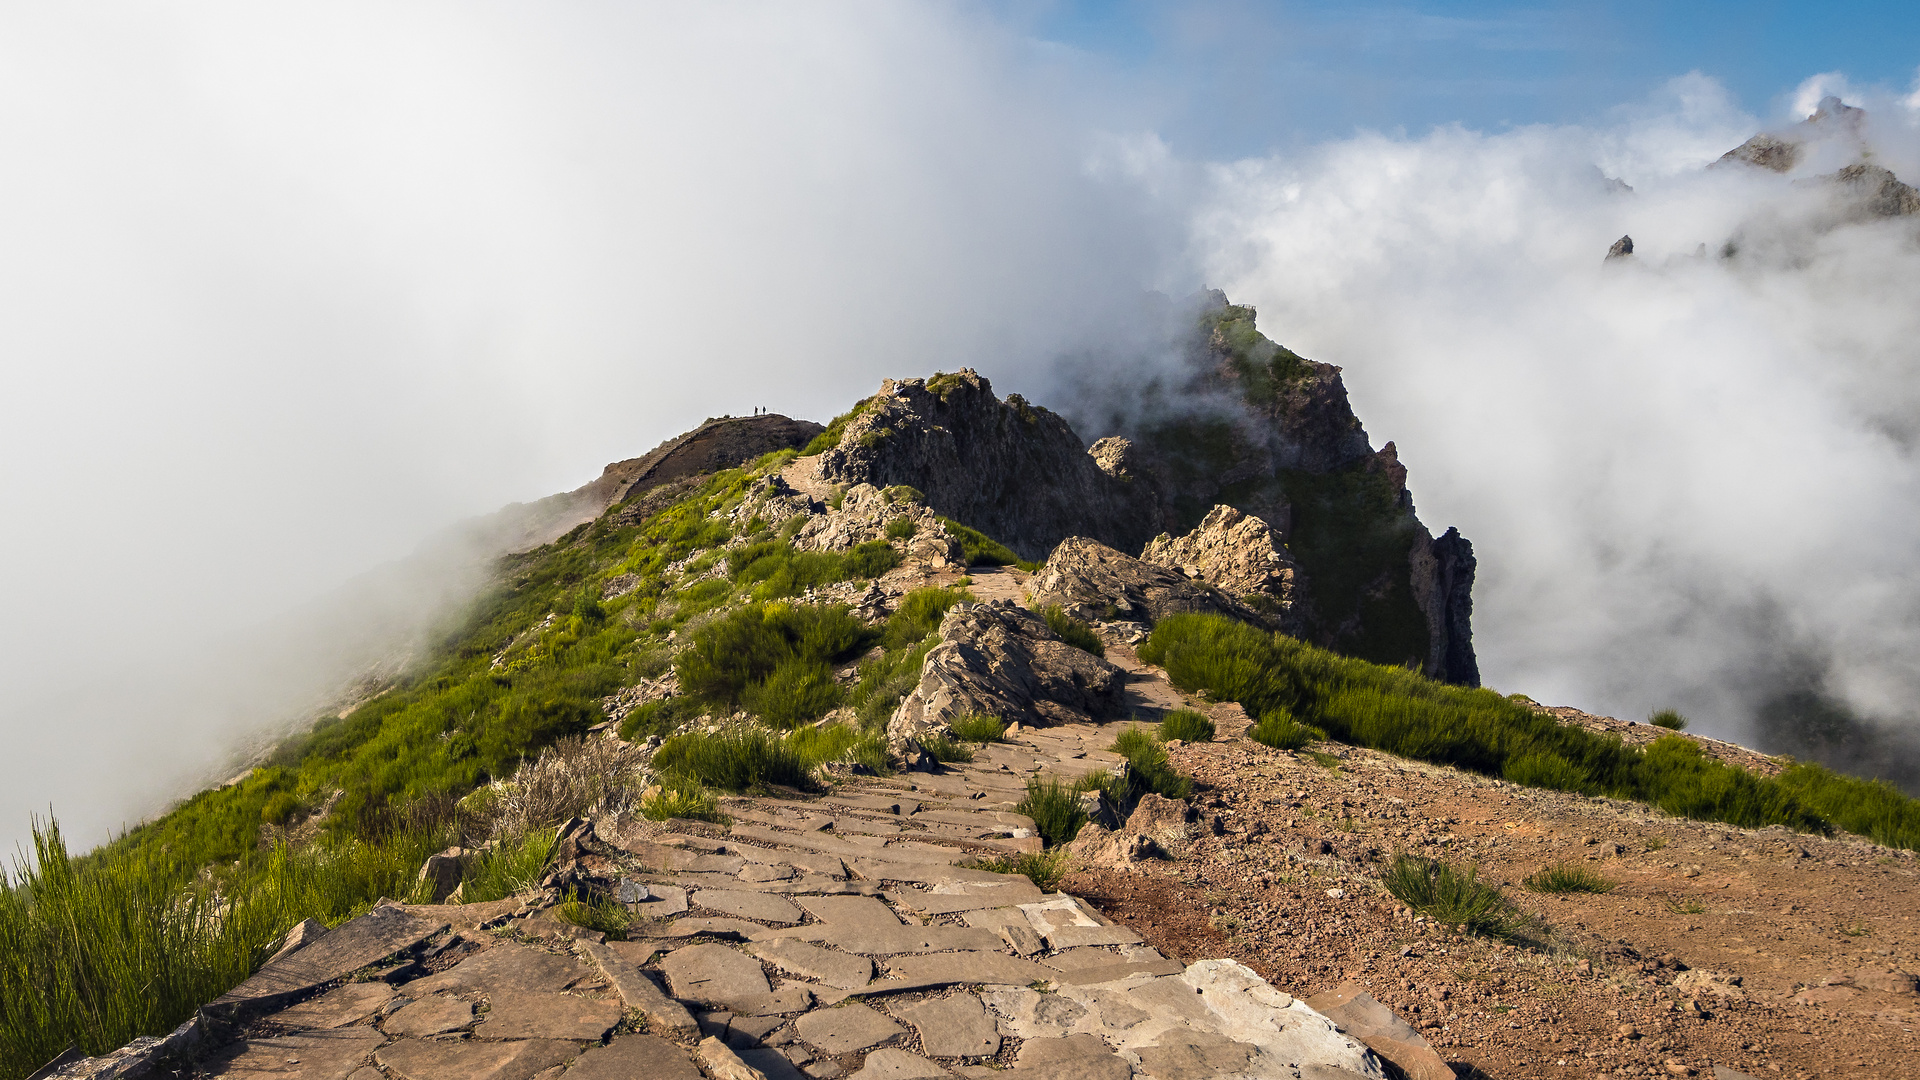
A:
x,y
945,741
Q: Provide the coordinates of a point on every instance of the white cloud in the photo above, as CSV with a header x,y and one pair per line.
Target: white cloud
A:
x,y
1676,471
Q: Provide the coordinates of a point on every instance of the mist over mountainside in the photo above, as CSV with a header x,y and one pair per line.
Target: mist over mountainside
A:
x,y
1688,472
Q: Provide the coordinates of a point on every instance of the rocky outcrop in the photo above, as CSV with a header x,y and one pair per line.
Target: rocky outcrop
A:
x,y
866,513
1869,191
1445,593
1010,469
1621,248
1236,553
1001,660
1091,582
1251,425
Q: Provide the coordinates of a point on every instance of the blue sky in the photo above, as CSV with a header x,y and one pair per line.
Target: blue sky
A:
x,y
1220,78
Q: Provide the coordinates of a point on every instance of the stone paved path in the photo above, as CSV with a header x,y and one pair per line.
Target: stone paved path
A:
x,y
849,935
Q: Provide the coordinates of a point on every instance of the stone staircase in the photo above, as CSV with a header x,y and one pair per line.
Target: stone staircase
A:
x,y
850,934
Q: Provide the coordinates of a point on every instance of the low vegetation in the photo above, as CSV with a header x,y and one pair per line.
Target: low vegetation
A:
x,y
1569,877
595,912
1669,719
980,728
1054,808
979,549
1186,726
772,659
1148,771
739,759
1389,708
1072,631
1046,869
1454,896
944,749
1277,728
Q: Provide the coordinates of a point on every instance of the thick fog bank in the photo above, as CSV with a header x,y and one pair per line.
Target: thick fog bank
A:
x,y
288,288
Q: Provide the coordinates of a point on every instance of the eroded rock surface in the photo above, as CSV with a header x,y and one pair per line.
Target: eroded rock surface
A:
x,y
1092,582
1001,660
1011,469
1237,553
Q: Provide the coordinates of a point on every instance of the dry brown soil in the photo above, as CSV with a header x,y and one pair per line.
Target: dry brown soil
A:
x,y
1287,833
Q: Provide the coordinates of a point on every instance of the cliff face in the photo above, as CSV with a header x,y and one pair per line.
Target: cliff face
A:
x,y
1272,434
1255,430
1013,470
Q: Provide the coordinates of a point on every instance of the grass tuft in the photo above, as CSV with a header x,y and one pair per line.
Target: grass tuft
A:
x,y
1277,728
1569,877
1453,896
1669,719
979,549
945,749
1187,726
980,728
1046,869
1054,808
682,797
594,912
512,866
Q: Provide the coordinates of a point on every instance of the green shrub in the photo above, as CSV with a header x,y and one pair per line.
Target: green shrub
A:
x,y
945,749
595,912
1396,710
980,728
1870,808
735,759
681,796
1187,726
1054,808
1569,877
1545,769
871,559
1072,631
772,658
1669,719
1453,896
902,528
1045,869
979,549
1277,728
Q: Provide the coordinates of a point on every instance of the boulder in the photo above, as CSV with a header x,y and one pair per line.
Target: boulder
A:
x,y
1000,659
1092,582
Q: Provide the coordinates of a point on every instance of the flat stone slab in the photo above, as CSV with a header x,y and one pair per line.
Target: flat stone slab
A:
x,y
1078,1057
665,900
759,906
853,912
844,970
620,963
715,975
966,896
466,1059
847,1028
357,943
508,967
547,1016
959,968
954,1026
739,929
435,1015
466,916
346,1004
309,1055
635,1057
891,1064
